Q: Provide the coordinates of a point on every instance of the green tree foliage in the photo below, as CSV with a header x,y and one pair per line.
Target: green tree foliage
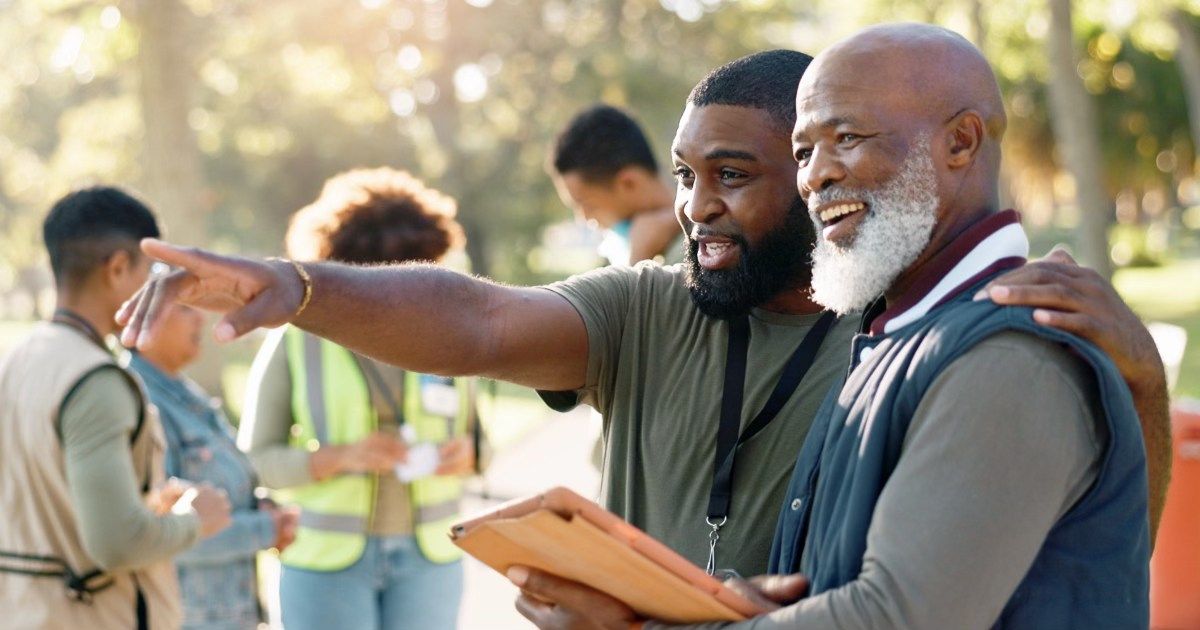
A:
x,y
469,93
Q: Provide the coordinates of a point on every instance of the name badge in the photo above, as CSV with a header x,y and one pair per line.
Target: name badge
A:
x,y
439,396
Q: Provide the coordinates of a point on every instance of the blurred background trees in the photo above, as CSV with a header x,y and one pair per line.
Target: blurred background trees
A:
x,y
229,114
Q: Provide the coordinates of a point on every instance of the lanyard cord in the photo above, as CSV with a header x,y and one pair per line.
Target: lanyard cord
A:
x,y
728,439
74,320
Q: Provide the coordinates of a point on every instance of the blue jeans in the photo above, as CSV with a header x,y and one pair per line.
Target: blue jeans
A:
x,y
391,587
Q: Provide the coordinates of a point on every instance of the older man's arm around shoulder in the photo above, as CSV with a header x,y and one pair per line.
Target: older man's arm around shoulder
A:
x,y
1079,301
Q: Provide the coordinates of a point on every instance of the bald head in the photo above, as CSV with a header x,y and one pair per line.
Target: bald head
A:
x,y
932,72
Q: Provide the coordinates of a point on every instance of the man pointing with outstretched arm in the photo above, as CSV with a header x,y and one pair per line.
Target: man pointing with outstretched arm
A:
x,y
648,345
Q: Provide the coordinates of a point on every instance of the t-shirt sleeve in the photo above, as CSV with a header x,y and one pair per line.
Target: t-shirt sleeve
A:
x,y
603,298
117,528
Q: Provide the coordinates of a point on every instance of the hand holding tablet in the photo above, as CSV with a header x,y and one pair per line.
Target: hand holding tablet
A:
x,y
562,533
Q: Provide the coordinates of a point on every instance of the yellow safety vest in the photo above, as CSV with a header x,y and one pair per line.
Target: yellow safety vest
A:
x,y
331,404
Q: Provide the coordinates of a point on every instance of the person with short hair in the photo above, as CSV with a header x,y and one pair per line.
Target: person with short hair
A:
x,y
340,435
218,577
81,476
604,169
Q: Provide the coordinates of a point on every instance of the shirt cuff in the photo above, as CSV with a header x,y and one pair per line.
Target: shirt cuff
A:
x,y
282,466
264,530
189,524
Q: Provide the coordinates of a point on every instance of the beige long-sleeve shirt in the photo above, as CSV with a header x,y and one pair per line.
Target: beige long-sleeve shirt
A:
x,y
117,528
1006,440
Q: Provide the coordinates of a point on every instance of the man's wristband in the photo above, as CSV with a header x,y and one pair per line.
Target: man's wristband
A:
x,y
308,285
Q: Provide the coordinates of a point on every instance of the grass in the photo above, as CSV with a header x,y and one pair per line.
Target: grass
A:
x,y
510,413
1169,294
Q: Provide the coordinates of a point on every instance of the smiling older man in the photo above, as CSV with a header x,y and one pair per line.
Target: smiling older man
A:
x,y
975,468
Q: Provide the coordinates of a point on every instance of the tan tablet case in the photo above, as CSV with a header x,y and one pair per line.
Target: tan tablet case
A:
x,y
560,532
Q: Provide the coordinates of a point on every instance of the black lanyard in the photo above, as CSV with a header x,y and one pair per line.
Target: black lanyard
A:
x,y
74,320
728,439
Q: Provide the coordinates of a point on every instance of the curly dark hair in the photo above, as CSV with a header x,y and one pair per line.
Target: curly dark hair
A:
x,y
375,216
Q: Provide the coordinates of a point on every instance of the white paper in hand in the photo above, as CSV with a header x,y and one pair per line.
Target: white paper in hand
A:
x,y
421,462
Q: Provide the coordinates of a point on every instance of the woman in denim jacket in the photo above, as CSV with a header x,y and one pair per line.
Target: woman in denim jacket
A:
x,y
216,577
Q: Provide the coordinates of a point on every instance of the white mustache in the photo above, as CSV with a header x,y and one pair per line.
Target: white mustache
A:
x,y
817,199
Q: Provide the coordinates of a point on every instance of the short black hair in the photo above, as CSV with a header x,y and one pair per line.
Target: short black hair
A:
x,y
88,226
765,80
598,142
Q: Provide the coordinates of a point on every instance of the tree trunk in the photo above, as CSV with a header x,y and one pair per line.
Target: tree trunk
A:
x,y
459,180
1073,114
32,280
1188,60
979,25
173,181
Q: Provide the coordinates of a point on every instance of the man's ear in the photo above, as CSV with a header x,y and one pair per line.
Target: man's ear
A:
x,y
628,180
117,266
964,138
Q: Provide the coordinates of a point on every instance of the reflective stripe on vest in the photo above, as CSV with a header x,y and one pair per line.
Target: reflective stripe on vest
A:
x,y
332,405
437,511
357,524
314,372
333,522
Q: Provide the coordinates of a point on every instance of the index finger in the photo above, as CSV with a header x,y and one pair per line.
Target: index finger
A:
x,y
751,592
1060,255
191,258
551,588
1035,274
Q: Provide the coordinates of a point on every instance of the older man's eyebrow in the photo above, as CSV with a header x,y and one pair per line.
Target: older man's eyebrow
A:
x,y
829,123
836,121
730,154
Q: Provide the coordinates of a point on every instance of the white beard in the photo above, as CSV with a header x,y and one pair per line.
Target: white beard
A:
x,y
897,229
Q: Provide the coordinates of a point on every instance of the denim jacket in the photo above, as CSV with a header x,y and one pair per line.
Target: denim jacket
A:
x,y
217,576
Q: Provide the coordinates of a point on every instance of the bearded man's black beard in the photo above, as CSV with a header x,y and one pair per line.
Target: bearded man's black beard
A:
x,y
781,261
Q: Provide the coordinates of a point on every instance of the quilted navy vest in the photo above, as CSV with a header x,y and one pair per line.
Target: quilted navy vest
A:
x,y
1092,570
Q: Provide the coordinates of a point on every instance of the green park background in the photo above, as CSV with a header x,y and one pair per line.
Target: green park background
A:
x,y
227,115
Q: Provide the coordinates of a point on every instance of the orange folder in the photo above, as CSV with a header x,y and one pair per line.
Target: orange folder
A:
x,y
563,533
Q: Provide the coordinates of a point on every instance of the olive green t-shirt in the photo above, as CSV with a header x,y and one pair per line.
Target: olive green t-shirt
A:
x,y
656,369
